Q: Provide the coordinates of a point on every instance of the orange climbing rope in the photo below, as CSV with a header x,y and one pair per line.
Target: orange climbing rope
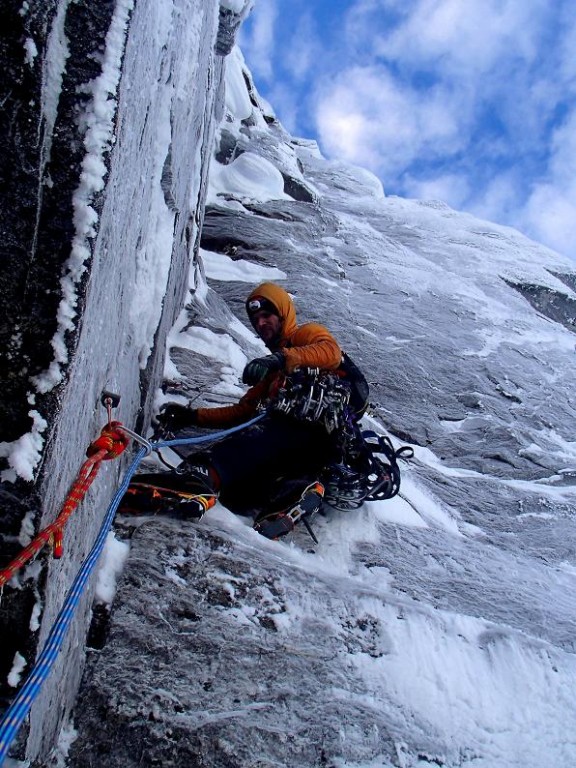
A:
x,y
109,445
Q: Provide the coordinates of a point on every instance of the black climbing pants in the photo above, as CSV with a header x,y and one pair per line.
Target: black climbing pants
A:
x,y
255,464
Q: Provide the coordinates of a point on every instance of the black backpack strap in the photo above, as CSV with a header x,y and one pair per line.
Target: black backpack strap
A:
x,y
360,389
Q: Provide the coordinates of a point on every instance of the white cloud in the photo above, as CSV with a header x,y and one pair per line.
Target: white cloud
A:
x,y
545,209
368,118
487,53
262,41
451,99
451,188
465,37
304,48
567,70
501,199
550,212
551,217
286,103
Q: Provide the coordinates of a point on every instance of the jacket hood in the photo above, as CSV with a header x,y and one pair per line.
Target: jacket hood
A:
x,y
283,303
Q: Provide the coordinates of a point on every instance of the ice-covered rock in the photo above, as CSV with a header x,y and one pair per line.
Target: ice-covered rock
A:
x,y
435,628
108,118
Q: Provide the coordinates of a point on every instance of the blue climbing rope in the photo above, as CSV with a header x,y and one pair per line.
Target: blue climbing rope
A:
x,y
205,438
22,703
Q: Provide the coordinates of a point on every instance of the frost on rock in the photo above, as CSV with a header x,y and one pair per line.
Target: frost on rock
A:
x,y
232,13
98,120
249,177
24,454
354,667
112,562
429,629
109,120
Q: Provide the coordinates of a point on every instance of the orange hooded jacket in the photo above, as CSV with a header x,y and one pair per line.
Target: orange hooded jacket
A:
x,y
310,345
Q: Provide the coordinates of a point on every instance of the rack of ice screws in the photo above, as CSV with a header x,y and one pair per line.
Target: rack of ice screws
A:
x,y
310,394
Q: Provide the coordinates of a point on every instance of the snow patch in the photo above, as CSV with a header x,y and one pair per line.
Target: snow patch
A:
x,y
30,50
217,266
25,453
249,178
66,738
220,347
18,666
237,98
237,6
114,556
154,257
398,511
35,616
27,529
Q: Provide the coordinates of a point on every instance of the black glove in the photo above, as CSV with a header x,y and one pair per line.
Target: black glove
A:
x,y
173,417
258,369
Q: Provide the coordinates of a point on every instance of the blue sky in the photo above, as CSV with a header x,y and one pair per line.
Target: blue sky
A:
x,y
468,101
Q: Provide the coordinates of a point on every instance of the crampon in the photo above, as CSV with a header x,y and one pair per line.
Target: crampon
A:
x,y
277,524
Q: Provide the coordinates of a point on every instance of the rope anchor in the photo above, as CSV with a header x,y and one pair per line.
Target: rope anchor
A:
x,y
109,400
111,443
19,709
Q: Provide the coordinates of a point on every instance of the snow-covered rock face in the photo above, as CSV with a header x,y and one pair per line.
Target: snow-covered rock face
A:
x,y
435,628
108,116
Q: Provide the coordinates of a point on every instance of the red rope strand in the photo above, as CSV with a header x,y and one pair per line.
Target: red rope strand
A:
x,y
109,445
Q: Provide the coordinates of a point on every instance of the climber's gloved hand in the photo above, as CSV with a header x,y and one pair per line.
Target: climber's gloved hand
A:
x,y
173,417
258,369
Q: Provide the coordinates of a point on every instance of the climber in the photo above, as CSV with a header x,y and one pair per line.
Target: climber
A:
x,y
272,468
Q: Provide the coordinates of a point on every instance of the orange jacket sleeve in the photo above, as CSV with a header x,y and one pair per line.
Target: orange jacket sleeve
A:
x,y
312,346
232,415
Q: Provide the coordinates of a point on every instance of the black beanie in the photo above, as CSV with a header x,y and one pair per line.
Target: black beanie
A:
x,y
260,304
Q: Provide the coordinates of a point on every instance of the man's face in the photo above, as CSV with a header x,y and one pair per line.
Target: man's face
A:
x,y
268,326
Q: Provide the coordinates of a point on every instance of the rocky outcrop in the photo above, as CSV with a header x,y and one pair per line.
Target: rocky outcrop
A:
x,y
423,635
108,118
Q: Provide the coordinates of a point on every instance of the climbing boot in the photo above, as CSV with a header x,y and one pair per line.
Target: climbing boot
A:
x,y
186,494
278,524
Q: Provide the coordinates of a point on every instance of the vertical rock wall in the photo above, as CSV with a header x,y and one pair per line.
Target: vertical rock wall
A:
x,y
98,227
